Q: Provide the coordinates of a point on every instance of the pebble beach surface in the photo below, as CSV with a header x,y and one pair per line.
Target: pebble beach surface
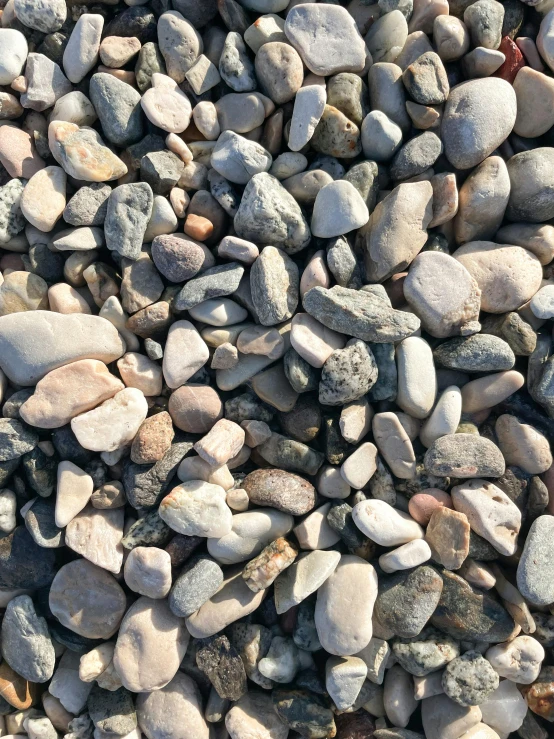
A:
x,y
276,369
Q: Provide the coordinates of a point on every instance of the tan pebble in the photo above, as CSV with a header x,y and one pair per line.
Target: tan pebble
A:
x,y
185,353
83,153
153,439
116,51
138,370
448,536
225,356
121,74
508,276
22,291
537,238
179,200
445,417
535,103
355,420
261,571
313,341
109,495
66,299
422,505
255,432
198,227
57,714
262,340
43,199
360,466
18,154
19,84
239,459
445,198
486,392
96,535
101,282
394,444
424,116
411,425
224,440
195,408
273,387
176,144
482,201
522,445
314,532
237,499
331,484
477,574
93,663
148,572
76,264
315,274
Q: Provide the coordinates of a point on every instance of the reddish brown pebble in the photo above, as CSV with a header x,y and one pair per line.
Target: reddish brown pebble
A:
x,y
198,227
514,60
422,505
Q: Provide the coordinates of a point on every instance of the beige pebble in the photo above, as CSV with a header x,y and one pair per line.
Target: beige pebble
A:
x,y
477,574
313,341
409,555
508,276
253,716
17,153
522,445
255,432
535,102
398,696
112,424
315,274
43,199
490,512
331,484
22,291
185,353
179,200
68,391
445,417
93,663
57,714
417,384
448,536
139,371
360,466
394,444
112,311
76,264
96,535
224,440
204,114
150,645
385,525
73,492
101,281
445,195
153,439
314,532
355,420
237,499
261,340
195,408
196,468
116,51
537,238
273,387
148,572
486,392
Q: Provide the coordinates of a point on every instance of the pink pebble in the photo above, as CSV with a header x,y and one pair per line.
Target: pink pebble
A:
x,y
422,505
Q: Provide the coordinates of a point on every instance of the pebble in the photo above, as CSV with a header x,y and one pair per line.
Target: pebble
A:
x,y
504,709
17,153
489,112
112,424
324,53
519,660
488,391
253,715
163,712
285,491
74,490
396,608
523,445
445,719
41,16
338,209
162,640
26,643
448,534
309,105
13,46
534,579
464,455
81,52
384,524
165,105
197,508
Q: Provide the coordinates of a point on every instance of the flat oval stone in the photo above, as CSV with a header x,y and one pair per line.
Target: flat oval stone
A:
x,y
464,455
175,709
534,572
56,340
87,600
416,377
150,645
478,117
346,632
384,524
26,643
394,444
338,209
477,353
279,489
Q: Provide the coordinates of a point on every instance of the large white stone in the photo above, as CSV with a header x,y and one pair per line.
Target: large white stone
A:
x,y
73,492
173,712
384,524
112,424
197,508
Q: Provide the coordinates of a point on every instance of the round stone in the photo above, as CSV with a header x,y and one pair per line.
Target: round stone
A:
x,y
338,209
535,572
13,53
531,183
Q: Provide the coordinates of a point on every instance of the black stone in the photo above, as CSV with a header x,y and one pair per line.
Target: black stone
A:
x,y
221,662
305,712
23,564
40,471
66,444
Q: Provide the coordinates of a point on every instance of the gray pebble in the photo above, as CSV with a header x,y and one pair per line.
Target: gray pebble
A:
x,y
146,486
238,159
179,258
426,80
279,70
118,108
200,579
359,313
531,180
425,653
240,112
89,205
364,176
305,186
464,455
112,711
288,454
328,164
42,15
484,20
235,67
149,61
220,661
343,264
302,376
15,439
469,679
387,378
535,572
417,155
481,62
269,215
388,94
12,221
179,42
41,524
45,83
274,282
477,353
407,600
215,282
153,349
348,374
198,12
225,194
147,531
348,93
381,137
161,170
24,564
129,210
26,643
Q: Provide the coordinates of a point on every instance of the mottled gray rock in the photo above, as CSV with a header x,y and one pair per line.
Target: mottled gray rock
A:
x,y
12,221
532,184
281,490
484,22
235,66
129,210
417,155
112,712
200,579
145,486
387,36
26,643
274,282
302,709
213,283
407,600
381,136
477,353
348,93
118,108
89,205
464,455
147,531
179,42
535,572
15,439
238,159
23,564
269,215
302,376
359,313
425,653
45,83
342,262
478,117
225,194
221,663
426,80
149,61
348,374
469,679
161,170
42,15
289,454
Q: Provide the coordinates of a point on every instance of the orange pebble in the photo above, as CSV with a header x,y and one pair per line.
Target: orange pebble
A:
x,y
198,227
422,505
121,74
15,689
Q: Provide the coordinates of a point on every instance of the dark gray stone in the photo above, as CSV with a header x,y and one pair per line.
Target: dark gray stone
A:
x,y
342,262
45,263
161,170
89,205
213,283
417,155
220,661
41,523
305,712
16,439
477,353
464,455
145,488
426,79
348,374
289,454
15,401
129,210
387,376
302,376
40,471
112,712
23,564
26,643
149,61
407,600
200,579
118,107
